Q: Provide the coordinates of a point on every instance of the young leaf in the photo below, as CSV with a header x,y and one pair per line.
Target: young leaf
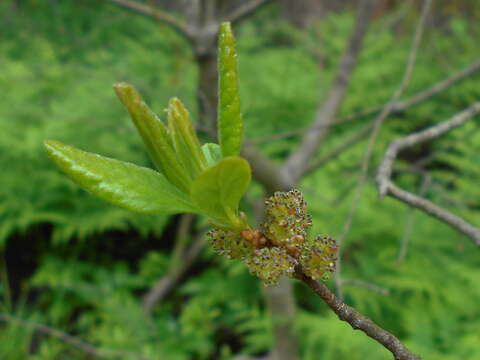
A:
x,y
218,190
120,183
155,136
230,125
212,152
185,139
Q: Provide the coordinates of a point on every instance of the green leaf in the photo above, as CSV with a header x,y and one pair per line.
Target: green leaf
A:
x,y
185,139
212,152
155,136
230,125
218,190
123,184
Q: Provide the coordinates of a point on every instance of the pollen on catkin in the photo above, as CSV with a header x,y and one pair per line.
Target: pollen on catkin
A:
x,y
229,244
270,263
318,259
286,220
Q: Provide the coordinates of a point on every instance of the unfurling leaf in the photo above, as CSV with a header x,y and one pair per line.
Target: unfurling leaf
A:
x,y
184,138
218,190
155,136
230,125
212,152
123,184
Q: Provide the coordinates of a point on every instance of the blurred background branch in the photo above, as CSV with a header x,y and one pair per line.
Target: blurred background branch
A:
x,y
387,187
298,161
79,344
376,126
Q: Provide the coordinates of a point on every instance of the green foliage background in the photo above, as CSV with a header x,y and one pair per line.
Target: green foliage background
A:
x,y
82,265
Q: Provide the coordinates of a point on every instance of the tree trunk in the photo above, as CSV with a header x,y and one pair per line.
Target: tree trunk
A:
x,y
281,305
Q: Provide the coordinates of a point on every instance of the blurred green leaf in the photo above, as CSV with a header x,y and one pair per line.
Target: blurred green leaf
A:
x,y
127,185
230,125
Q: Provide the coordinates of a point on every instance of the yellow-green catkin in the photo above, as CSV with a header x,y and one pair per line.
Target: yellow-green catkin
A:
x,y
270,263
318,258
282,245
229,244
286,221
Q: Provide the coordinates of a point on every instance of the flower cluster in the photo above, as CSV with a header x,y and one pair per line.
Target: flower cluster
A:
x,y
318,259
270,263
282,243
286,221
229,244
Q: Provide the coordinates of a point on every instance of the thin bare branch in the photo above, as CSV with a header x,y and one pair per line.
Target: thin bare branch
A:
x,y
438,88
387,187
340,149
164,286
183,235
71,340
434,210
299,159
407,234
399,107
377,124
244,10
385,169
398,93
158,15
264,170
356,320
364,284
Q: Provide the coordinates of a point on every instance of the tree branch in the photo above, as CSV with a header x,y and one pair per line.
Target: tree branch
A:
x,y
167,283
377,124
182,237
71,340
340,149
154,13
434,210
356,320
245,10
437,88
298,160
387,187
264,170
399,107
407,234
369,286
